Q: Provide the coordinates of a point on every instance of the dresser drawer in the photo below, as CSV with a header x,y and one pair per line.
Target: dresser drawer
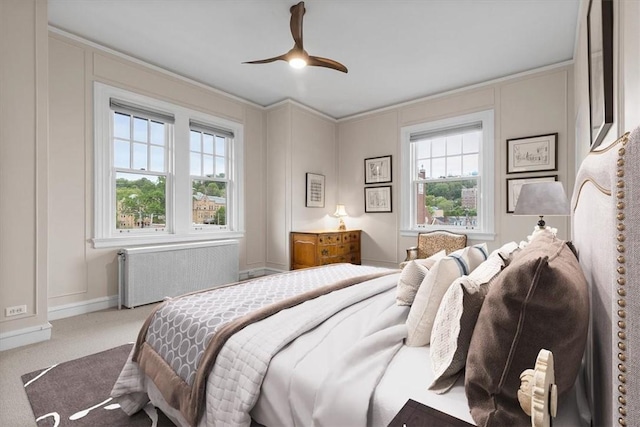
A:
x,y
329,239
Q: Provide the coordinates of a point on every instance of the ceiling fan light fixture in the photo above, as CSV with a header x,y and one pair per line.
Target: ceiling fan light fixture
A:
x,y
297,62
297,57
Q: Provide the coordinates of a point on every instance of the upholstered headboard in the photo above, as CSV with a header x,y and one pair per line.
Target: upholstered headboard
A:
x,y
606,233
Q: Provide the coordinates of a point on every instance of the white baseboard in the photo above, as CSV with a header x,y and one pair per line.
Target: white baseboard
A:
x,y
83,307
250,274
25,336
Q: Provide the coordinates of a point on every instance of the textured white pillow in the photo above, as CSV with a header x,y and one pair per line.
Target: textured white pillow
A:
x,y
412,275
457,316
430,293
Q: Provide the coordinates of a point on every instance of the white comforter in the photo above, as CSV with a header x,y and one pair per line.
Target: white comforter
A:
x,y
234,384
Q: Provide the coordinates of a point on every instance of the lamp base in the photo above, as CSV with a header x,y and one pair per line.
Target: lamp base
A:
x,y
541,222
342,226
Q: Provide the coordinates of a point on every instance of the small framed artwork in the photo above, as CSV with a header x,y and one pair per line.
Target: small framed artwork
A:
x,y
377,170
315,191
377,199
514,186
600,56
532,153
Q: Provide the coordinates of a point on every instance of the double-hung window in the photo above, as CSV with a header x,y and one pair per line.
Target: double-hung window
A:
x,y
447,179
208,162
163,172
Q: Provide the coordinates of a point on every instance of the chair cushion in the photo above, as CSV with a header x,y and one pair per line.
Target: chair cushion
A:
x,y
539,301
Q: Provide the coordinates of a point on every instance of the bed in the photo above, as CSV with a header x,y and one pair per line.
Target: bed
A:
x,y
332,346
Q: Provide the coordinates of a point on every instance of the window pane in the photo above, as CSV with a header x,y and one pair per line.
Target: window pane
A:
x,y
207,144
471,142
156,162
423,169
470,164
140,129
139,156
196,164
221,170
140,201
220,146
157,133
121,126
438,147
209,202
451,203
121,154
195,141
454,166
207,165
454,145
438,168
423,148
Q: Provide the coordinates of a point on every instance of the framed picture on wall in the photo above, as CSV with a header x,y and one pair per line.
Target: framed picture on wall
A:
x,y
514,186
315,191
600,56
377,199
532,153
377,170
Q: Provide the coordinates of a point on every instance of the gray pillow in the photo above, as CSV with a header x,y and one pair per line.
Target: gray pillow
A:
x,y
539,301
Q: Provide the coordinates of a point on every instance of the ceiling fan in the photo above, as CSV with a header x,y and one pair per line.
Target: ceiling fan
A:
x,y
297,57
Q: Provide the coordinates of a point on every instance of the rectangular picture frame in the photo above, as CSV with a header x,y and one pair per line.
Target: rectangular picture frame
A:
x,y
315,190
377,170
532,153
377,199
600,58
514,185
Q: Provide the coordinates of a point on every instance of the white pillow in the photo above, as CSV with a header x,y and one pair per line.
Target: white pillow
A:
x,y
457,316
476,255
412,275
430,293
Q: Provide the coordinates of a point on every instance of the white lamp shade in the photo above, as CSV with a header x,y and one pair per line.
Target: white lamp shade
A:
x,y
340,211
542,198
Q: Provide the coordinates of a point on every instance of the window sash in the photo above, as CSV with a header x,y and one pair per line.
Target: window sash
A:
x,y
482,147
178,227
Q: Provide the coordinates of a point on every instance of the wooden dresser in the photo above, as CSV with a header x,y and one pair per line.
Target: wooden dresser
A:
x,y
314,248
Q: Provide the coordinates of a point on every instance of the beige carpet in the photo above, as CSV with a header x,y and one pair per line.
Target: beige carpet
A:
x,y
72,338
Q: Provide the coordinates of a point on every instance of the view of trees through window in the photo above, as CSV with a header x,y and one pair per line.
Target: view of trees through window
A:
x,y
451,203
141,201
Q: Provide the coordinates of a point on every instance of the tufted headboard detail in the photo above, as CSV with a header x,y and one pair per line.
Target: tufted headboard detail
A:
x,y
606,233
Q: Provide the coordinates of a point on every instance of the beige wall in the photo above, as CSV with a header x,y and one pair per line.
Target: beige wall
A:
x,y
46,184
23,167
79,273
298,141
531,104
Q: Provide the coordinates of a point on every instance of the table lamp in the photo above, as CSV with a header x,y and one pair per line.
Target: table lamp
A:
x,y
339,213
542,199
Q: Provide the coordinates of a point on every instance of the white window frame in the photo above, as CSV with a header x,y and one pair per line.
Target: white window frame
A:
x,y
486,199
179,227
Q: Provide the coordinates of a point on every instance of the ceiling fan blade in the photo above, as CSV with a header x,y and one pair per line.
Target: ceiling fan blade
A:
x,y
266,61
297,13
327,63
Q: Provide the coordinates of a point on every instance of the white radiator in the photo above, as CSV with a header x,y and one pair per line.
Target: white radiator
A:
x,y
151,273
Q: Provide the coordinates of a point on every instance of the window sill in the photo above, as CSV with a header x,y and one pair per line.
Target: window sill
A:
x,y
471,234
118,242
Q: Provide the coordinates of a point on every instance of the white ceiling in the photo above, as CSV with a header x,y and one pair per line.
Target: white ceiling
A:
x,y
395,51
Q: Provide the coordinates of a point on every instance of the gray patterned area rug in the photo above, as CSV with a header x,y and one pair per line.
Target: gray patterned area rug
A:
x,y
76,393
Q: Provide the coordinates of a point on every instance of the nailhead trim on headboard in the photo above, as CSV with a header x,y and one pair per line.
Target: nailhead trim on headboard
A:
x,y
621,281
